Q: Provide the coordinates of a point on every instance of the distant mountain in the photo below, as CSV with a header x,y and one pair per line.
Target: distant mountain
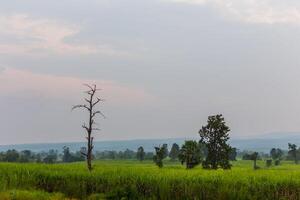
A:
x,y
121,145
261,144
266,142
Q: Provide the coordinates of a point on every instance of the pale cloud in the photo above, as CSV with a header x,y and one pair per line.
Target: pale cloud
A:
x,y
254,11
25,83
189,1
38,36
260,11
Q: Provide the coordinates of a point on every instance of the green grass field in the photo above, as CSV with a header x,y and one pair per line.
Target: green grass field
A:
x,y
135,180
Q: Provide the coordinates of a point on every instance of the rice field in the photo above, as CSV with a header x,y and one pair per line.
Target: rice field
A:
x,y
136,180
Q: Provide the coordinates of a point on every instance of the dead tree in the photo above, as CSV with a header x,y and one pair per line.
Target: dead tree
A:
x,y
91,102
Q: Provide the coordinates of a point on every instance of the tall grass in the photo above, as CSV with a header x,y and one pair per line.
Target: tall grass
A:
x,y
134,180
30,195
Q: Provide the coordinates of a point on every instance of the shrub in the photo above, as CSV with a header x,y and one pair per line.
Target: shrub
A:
x,y
269,163
277,162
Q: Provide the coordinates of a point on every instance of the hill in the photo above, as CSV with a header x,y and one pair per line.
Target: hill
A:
x,y
261,144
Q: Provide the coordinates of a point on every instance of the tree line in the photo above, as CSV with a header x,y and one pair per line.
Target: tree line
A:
x,y
191,151
52,156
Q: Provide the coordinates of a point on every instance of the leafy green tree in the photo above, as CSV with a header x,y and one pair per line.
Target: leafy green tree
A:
x,y
175,150
276,155
215,136
277,162
247,156
140,154
166,152
233,154
273,153
190,154
129,154
51,157
25,156
27,153
38,158
2,156
67,157
254,157
159,156
11,156
203,148
112,154
269,162
293,152
71,157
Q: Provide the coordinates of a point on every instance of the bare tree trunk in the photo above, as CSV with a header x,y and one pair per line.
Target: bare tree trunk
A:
x,y
89,160
89,153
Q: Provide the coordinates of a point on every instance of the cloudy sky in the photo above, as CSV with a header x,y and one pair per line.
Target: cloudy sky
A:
x,y
163,66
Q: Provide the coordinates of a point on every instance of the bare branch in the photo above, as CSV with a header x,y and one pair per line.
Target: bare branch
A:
x,y
81,106
84,154
95,88
85,127
87,85
89,92
97,101
98,112
87,100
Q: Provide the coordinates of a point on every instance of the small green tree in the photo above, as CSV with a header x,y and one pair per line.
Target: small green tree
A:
x,y
159,156
215,136
254,157
166,152
190,154
269,163
277,162
51,156
11,155
293,152
67,157
233,154
175,150
276,155
140,154
25,156
203,148
38,158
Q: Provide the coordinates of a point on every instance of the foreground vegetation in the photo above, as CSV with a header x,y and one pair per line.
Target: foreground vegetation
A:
x,y
29,195
143,180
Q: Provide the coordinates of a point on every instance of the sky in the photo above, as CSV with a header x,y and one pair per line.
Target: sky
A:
x,y
163,66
